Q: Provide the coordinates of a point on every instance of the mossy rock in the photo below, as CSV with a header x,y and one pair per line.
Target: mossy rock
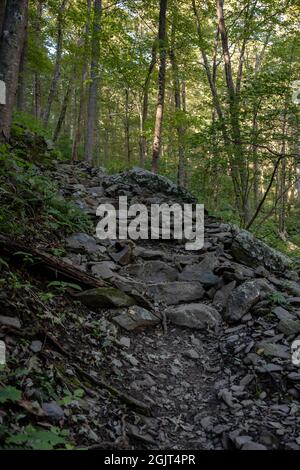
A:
x,y
105,297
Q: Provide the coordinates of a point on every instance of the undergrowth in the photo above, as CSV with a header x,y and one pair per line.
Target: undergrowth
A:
x,y
30,201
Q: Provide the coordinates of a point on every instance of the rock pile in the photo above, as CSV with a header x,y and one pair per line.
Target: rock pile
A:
x,y
233,311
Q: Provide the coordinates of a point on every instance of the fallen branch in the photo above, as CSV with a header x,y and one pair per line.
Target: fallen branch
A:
x,y
49,262
61,268
124,397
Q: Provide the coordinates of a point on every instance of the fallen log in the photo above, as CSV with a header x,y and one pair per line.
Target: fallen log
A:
x,y
61,268
49,262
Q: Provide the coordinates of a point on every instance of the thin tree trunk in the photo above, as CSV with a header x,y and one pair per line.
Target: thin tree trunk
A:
x,y
127,127
161,86
282,182
11,46
37,87
211,78
82,95
57,67
296,138
180,128
2,14
37,96
233,96
144,112
63,112
93,91
21,79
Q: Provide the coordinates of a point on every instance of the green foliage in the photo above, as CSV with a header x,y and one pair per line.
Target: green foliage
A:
x,y
27,257
28,197
10,394
71,396
278,299
36,439
62,286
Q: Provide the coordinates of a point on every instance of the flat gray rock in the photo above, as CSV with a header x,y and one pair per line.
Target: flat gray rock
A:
x,y
103,269
172,293
10,321
136,317
83,243
202,272
53,411
274,350
289,326
253,446
105,297
194,315
152,271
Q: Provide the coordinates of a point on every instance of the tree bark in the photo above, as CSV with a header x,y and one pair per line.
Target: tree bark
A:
x,y
239,161
2,14
296,145
37,87
21,78
211,78
161,86
282,182
127,127
144,112
11,46
180,128
63,112
93,91
57,67
82,94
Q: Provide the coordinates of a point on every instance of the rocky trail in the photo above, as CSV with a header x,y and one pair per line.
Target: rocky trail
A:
x,y
201,339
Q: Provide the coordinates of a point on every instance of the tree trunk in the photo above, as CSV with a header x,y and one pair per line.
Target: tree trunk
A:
x,y
2,14
180,128
93,91
63,112
57,67
11,46
282,182
82,95
296,145
37,87
161,85
21,79
239,160
144,112
211,78
127,127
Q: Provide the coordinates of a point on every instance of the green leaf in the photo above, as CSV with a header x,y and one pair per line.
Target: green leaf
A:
x,y
10,394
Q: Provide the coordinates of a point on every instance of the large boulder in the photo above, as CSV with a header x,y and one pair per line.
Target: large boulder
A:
x,y
153,182
244,297
202,272
253,252
196,315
